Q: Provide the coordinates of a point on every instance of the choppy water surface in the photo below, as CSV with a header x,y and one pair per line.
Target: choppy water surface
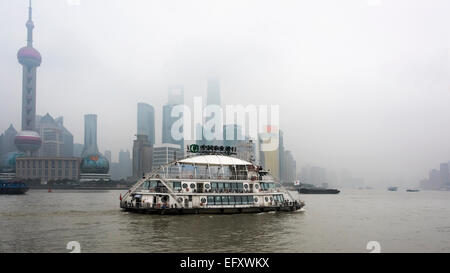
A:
x,y
400,221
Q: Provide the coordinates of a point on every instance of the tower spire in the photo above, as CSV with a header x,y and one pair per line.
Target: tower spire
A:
x,y
29,11
30,26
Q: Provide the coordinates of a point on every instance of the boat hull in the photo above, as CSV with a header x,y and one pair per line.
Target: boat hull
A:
x,y
180,211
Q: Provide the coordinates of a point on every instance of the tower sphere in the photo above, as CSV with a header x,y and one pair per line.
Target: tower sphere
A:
x,y
28,141
29,56
94,163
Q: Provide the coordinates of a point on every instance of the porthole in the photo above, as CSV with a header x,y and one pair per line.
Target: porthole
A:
x,y
207,186
185,186
192,185
266,198
271,199
255,199
203,200
246,186
256,186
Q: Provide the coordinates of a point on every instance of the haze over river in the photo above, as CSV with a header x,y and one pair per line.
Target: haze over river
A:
x,y
400,221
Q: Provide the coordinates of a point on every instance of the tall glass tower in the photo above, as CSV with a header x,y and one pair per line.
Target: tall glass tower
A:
x,y
176,97
146,121
90,135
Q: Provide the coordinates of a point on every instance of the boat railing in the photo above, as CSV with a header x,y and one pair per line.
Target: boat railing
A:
x,y
201,176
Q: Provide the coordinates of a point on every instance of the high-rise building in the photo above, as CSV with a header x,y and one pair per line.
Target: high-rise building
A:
x,y
94,166
146,121
125,164
290,168
7,141
142,156
78,149
232,135
176,97
108,155
270,158
90,135
57,141
166,153
445,174
281,156
212,99
28,140
435,179
213,92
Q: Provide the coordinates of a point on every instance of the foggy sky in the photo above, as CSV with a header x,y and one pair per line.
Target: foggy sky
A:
x,y
361,84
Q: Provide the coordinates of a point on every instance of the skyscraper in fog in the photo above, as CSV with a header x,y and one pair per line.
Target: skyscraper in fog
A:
x,y
57,141
142,156
7,141
125,164
212,99
175,97
445,174
213,92
90,135
94,166
146,121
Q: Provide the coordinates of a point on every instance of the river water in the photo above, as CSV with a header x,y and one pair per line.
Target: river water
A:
x,y
399,221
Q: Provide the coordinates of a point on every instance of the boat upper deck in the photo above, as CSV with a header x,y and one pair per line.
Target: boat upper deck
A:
x,y
212,167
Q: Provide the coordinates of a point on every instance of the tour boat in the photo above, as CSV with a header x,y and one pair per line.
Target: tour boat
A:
x,y
208,183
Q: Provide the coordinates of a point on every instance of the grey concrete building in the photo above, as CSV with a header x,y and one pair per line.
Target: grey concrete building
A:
x,y
142,156
48,168
146,121
166,153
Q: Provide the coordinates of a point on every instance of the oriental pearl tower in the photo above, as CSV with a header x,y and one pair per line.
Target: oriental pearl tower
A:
x,y
28,140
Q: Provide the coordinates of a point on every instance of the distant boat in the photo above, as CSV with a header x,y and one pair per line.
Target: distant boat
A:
x,y
392,189
318,191
311,189
412,190
12,187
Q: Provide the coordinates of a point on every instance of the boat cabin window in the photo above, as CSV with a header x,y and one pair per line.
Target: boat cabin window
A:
x,y
214,185
176,185
231,200
211,200
224,200
244,200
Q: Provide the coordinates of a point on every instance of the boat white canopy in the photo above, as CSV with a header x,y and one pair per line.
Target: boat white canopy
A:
x,y
220,160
